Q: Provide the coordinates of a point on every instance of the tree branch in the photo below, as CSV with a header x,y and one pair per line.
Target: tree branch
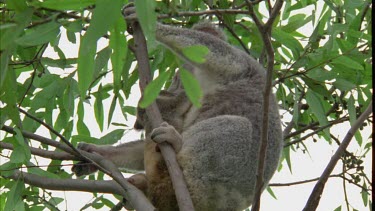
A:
x,y
315,196
44,153
182,194
266,30
92,186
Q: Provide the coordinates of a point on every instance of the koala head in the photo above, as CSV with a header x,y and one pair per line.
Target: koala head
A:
x,y
172,106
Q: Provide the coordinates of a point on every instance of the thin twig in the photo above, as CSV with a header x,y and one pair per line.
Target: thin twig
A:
x,y
75,151
300,182
337,121
266,31
315,196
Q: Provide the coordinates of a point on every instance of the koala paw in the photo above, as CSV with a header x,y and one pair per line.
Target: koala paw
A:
x,y
169,134
83,167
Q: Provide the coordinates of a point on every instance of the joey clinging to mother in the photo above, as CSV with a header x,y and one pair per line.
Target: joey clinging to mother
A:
x,y
217,145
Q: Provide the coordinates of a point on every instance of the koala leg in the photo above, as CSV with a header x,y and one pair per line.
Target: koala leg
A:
x,y
169,134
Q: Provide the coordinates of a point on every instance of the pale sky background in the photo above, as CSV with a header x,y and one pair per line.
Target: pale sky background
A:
x,y
304,166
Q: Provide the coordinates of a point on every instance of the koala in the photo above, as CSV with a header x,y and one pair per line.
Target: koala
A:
x,y
217,144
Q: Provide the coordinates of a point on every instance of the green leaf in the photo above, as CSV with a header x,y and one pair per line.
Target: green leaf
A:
x,y
353,117
112,137
40,34
71,36
98,27
21,152
84,138
348,62
40,172
4,61
343,84
111,110
128,81
288,41
85,66
14,195
98,108
130,110
62,120
337,209
82,128
101,61
68,99
18,5
65,4
364,194
147,18
319,88
269,190
7,169
119,46
191,86
54,201
286,155
196,53
295,22
315,104
8,36
152,90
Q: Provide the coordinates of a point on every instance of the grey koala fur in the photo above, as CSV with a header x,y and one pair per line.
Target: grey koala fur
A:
x,y
219,144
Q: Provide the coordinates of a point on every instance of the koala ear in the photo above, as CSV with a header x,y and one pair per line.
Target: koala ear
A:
x,y
209,28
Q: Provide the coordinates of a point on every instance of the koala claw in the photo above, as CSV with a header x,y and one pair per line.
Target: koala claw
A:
x,y
169,134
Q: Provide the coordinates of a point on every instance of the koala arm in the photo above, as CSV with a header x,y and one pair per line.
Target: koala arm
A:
x,y
176,39
128,155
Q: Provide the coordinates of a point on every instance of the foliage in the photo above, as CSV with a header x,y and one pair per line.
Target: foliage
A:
x,y
322,75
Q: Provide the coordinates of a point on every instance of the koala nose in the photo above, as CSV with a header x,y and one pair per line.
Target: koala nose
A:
x,y
138,125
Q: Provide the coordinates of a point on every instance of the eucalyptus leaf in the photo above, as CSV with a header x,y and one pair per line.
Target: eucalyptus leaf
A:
x,y
14,195
318,111
191,87
196,53
39,35
152,90
65,4
147,18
